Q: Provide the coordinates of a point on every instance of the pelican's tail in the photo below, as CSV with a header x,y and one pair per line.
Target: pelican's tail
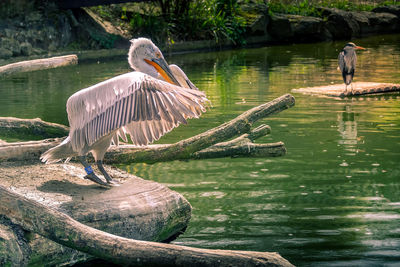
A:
x,y
57,153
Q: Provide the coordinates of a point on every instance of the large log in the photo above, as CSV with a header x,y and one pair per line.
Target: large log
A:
x,y
39,64
185,149
138,208
59,227
359,88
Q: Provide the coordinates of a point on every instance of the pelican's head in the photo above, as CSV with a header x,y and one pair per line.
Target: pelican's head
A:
x,y
146,57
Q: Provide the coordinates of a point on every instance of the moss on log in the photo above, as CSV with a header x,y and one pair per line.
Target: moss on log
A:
x,y
38,64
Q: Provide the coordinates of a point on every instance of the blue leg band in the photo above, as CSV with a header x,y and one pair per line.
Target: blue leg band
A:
x,y
88,170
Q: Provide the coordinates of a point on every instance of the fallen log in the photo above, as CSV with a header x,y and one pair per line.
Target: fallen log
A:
x,y
185,149
138,209
61,228
39,64
21,151
10,126
359,88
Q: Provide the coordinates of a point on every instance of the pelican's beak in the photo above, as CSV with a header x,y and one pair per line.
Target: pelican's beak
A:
x,y
162,67
360,48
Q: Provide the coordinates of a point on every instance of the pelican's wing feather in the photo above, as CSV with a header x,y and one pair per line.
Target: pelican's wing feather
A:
x,y
135,103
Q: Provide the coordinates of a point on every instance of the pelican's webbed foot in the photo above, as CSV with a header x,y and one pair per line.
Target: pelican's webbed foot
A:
x,y
90,174
93,177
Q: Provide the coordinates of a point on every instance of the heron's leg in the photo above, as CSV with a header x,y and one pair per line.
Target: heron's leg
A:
x,y
103,171
90,174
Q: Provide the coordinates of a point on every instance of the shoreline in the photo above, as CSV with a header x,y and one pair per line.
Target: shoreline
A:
x,y
264,30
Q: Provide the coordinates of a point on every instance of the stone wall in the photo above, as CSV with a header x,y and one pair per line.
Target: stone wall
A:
x,y
335,24
28,28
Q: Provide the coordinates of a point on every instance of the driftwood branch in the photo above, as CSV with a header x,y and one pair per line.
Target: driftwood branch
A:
x,y
61,228
199,146
186,148
10,126
39,64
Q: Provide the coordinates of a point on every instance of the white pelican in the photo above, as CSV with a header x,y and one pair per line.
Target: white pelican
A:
x,y
146,104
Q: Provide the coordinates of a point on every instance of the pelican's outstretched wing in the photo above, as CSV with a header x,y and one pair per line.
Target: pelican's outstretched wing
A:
x,y
133,103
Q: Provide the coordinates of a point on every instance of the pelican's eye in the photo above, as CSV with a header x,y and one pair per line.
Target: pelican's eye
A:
x,y
158,54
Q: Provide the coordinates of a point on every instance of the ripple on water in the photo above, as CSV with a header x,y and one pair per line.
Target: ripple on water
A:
x,y
215,194
379,216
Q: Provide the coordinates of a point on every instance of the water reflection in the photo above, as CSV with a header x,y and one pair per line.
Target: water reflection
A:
x,y
347,127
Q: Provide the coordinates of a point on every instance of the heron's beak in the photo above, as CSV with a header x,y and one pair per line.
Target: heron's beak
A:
x,y
360,48
162,67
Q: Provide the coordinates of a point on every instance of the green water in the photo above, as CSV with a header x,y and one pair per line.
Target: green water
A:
x,y
333,200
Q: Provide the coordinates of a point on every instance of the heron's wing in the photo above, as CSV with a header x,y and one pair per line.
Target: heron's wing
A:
x,y
133,103
341,61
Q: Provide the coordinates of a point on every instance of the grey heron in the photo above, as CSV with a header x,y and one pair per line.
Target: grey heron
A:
x,y
347,62
146,104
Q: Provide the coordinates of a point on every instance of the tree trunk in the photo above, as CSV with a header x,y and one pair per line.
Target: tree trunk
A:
x,y
61,228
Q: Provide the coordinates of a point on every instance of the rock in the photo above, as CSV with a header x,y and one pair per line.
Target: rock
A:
x,y
33,17
345,25
362,18
395,10
5,53
383,22
340,23
279,27
256,16
11,44
26,49
258,25
296,27
306,28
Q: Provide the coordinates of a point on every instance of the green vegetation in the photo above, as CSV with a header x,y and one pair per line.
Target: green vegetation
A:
x,y
171,20
311,7
168,21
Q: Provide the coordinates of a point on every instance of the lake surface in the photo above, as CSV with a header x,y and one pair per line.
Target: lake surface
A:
x,y
333,200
